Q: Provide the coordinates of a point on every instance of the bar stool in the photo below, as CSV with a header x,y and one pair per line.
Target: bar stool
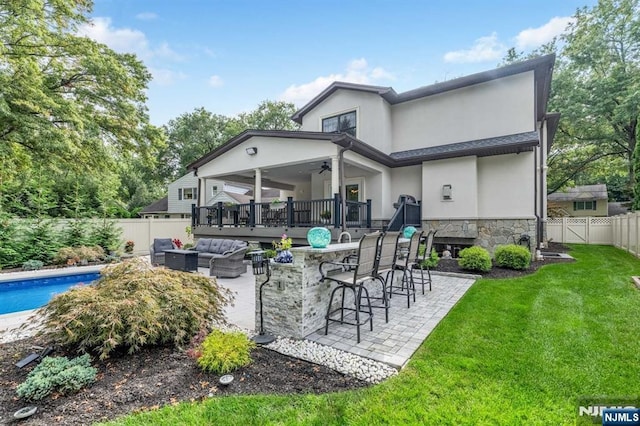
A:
x,y
420,265
387,253
352,277
407,286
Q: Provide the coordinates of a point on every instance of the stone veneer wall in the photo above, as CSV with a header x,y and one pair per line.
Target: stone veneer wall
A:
x,y
295,301
487,233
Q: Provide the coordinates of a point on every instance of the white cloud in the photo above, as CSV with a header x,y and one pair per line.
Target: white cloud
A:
x,y
166,77
535,37
484,49
125,40
215,81
146,16
358,71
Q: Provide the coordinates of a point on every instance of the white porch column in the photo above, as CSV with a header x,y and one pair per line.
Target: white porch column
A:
x,y
257,186
335,176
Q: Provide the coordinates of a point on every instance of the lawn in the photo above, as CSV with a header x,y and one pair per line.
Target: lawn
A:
x,y
512,351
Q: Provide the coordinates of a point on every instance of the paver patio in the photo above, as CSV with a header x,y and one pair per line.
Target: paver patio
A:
x,y
392,343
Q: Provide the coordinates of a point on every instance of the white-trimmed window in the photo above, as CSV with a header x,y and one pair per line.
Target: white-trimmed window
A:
x,y
584,205
187,193
344,123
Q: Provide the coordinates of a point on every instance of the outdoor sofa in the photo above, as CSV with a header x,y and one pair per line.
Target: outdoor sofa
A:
x,y
225,258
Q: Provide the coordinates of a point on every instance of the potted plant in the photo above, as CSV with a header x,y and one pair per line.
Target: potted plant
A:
x,y
277,204
128,246
229,206
326,216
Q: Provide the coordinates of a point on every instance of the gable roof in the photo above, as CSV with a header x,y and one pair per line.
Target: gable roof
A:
x,y
159,206
584,192
508,144
542,66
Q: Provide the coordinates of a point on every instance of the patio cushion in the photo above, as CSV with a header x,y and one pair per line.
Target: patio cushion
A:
x,y
225,246
237,245
162,244
215,246
203,244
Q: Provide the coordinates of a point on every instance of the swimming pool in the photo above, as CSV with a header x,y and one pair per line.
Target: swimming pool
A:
x,y
31,293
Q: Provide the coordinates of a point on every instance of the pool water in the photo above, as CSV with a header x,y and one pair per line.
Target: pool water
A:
x,y
32,293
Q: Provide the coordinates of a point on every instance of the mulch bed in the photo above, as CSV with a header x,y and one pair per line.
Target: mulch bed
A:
x,y
155,377
451,265
158,376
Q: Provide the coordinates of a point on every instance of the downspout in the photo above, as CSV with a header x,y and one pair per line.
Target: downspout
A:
x,y
343,190
543,192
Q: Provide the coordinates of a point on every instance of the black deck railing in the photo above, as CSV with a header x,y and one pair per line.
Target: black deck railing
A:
x,y
408,213
289,213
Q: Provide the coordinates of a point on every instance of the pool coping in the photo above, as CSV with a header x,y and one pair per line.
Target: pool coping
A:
x,y
47,273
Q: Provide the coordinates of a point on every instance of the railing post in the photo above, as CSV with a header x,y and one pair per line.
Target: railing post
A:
x,y
193,217
219,214
289,211
368,214
252,213
337,216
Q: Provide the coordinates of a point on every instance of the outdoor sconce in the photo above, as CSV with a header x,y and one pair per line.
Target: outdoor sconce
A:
x,y
446,192
252,150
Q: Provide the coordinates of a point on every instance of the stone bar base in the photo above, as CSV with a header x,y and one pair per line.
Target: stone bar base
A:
x,y
295,301
487,233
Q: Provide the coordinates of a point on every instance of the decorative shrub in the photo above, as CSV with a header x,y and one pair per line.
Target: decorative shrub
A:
x,y
474,259
57,374
40,242
270,253
32,265
107,235
76,233
432,260
11,248
512,256
133,305
73,255
223,352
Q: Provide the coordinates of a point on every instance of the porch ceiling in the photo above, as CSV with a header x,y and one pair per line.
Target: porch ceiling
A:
x,y
285,177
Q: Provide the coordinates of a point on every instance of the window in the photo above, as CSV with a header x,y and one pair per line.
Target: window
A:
x,y
584,205
187,193
214,189
340,123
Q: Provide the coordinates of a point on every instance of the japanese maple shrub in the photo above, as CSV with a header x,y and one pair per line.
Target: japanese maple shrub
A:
x,y
133,305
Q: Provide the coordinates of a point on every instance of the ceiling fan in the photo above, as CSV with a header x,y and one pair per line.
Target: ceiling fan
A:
x,y
324,167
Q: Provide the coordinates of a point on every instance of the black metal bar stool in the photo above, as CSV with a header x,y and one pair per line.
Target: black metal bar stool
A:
x,y
352,277
406,287
421,266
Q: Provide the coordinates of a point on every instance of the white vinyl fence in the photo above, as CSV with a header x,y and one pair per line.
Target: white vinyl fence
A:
x,y
143,231
581,230
626,232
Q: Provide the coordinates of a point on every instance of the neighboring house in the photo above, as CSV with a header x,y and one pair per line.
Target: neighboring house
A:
x,y
585,200
182,194
472,150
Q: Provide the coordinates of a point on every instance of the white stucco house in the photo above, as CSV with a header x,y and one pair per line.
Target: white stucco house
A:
x,y
471,150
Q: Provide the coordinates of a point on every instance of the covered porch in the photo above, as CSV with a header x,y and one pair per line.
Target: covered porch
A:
x,y
264,222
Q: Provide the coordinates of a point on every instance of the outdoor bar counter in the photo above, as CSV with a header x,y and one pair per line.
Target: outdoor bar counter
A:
x,y
295,301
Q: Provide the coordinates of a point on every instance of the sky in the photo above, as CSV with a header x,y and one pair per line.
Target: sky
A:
x,y
228,56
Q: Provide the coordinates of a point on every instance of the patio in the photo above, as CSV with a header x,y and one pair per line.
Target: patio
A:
x,y
392,343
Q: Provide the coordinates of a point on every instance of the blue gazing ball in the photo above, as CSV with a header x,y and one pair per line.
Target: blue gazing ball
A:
x,y
409,231
319,237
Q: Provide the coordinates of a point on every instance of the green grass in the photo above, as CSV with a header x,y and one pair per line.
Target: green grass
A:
x,y
510,352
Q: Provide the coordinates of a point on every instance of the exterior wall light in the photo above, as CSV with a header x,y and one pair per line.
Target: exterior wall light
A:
x,y
252,150
446,192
